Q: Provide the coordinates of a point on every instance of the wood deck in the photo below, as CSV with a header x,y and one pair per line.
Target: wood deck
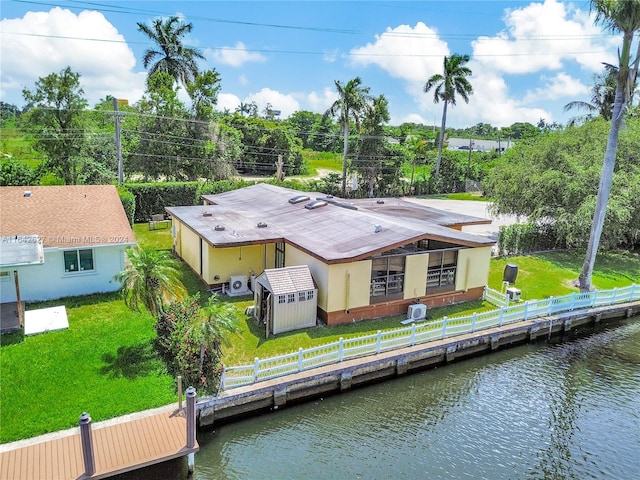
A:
x,y
120,445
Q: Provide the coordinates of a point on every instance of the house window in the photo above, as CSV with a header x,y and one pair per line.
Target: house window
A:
x,y
279,260
310,295
78,260
302,296
441,273
5,276
291,297
282,299
387,277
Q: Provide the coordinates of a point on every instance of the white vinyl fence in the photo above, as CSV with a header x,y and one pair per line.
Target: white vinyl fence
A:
x,y
344,349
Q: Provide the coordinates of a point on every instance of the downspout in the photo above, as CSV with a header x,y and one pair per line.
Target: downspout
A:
x,y
347,289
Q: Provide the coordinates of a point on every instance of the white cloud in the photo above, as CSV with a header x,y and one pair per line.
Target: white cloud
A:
x,y
235,56
228,101
557,87
31,48
243,80
287,104
320,102
541,36
405,52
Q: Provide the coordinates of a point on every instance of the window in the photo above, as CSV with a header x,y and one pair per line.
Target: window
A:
x,y
5,276
78,260
302,296
279,260
441,273
310,294
282,299
291,297
387,277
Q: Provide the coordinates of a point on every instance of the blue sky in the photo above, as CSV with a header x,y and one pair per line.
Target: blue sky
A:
x,y
528,59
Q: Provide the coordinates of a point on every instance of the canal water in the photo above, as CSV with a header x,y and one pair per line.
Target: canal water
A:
x,y
568,410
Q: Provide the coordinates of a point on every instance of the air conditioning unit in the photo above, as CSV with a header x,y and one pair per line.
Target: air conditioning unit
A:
x,y
417,311
513,294
238,285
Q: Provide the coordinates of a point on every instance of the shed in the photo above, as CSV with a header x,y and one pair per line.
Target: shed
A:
x,y
286,299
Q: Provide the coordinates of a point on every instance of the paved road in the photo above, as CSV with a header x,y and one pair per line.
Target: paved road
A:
x,y
473,208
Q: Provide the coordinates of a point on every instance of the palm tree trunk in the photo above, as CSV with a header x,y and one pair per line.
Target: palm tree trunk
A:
x,y
604,189
441,141
344,159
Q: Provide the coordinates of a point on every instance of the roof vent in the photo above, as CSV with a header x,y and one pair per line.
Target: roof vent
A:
x,y
348,205
219,228
262,225
207,213
315,204
299,199
380,202
27,193
377,228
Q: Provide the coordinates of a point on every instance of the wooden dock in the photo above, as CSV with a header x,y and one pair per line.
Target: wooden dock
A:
x,y
119,445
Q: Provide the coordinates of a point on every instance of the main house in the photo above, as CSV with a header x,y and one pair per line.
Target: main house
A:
x,y
83,230
368,258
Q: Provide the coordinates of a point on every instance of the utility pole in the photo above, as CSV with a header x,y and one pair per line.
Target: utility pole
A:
x,y
117,101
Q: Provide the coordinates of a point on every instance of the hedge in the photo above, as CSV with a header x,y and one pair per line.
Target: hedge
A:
x,y
151,198
128,202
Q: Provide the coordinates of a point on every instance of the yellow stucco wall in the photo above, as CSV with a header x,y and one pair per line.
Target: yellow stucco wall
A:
x,y
190,248
319,270
415,275
473,268
225,262
352,278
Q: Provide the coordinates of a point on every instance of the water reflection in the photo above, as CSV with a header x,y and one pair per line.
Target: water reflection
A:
x,y
564,411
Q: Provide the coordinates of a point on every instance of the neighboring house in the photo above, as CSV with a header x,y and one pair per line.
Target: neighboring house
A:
x,y
369,259
479,145
84,232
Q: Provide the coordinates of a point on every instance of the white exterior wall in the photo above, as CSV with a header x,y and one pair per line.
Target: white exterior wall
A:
x,y
49,280
293,316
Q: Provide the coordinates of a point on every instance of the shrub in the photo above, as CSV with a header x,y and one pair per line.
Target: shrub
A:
x,y
128,202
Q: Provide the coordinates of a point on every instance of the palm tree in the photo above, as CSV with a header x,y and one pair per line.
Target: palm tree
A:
x,y
351,104
172,56
372,146
603,94
452,81
622,16
151,278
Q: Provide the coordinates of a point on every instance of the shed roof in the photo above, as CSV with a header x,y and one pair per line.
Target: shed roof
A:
x,y
285,280
21,250
333,233
65,216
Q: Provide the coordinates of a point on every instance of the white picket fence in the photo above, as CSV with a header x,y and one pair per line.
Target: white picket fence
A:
x,y
344,349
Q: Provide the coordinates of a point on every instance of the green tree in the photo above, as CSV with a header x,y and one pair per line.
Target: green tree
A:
x,y
603,94
55,114
170,55
351,105
446,85
13,172
623,17
302,123
151,278
203,92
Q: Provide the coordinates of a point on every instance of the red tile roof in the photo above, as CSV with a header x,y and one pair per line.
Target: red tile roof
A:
x,y
65,216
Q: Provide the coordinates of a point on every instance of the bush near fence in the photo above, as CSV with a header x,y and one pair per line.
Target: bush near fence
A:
x,y
344,349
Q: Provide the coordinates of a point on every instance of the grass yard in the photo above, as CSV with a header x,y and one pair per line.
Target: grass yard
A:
x,y
103,364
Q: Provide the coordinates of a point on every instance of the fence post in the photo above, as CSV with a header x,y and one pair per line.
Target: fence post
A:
x,y
179,392
632,294
86,438
300,359
444,327
379,341
413,334
595,298
550,305
573,301
223,378
501,317
340,349
484,292
191,426
256,368
613,299
473,322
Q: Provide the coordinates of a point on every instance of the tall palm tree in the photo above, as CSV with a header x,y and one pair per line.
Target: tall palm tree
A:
x,y
351,105
603,94
171,55
151,278
620,16
451,82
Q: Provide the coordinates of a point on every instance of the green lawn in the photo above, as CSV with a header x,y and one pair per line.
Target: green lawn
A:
x,y
104,363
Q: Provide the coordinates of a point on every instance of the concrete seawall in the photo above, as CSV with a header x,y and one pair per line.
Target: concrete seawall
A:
x,y
310,384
